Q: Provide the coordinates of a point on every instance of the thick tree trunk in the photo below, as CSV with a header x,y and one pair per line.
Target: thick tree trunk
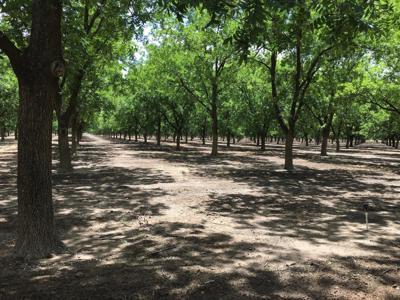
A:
x,y
36,230
324,145
38,87
289,151
325,138
337,145
228,139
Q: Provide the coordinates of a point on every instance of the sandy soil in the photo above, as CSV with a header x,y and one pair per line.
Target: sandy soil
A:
x,y
143,222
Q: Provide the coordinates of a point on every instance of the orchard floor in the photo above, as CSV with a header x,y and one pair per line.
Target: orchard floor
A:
x,y
142,222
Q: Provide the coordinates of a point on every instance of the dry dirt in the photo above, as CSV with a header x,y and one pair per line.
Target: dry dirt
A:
x,y
143,222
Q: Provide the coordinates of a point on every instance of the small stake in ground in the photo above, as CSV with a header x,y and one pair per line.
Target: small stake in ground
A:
x,y
366,207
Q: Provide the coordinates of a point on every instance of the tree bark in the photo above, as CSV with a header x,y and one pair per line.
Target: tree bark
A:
x,y
228,139
38,87
337,145
178,139
2,133
159,130
289,151
324,144
74,136
203,137
63,145
214,119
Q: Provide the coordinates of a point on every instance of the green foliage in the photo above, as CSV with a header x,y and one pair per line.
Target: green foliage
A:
x,y
8,97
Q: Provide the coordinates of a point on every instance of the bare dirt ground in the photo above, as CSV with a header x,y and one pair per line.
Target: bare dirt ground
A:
x,y
142,222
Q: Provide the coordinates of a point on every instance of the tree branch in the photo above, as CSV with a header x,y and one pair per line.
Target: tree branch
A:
x,y
184,85
311,70
261,62
9,48
278,113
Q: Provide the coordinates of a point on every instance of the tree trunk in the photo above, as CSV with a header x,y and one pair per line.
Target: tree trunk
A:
x,y
36,230
289,151
263,138
214,119
324,144
337,145
317,140
203,137
37,70
63,146
228,139
159,131
178,139
74,143
2,133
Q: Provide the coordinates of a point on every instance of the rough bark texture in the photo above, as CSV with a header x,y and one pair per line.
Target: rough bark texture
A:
x,y
289,151
38,88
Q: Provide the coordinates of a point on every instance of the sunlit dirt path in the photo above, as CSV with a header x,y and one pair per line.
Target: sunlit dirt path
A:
x,y
143,222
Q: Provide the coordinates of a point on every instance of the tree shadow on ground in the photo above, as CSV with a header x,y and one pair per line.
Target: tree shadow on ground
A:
x,y
180,261
116,251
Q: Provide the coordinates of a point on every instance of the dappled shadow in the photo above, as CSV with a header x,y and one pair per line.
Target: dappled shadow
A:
x,y
124,242
182,261
317,206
